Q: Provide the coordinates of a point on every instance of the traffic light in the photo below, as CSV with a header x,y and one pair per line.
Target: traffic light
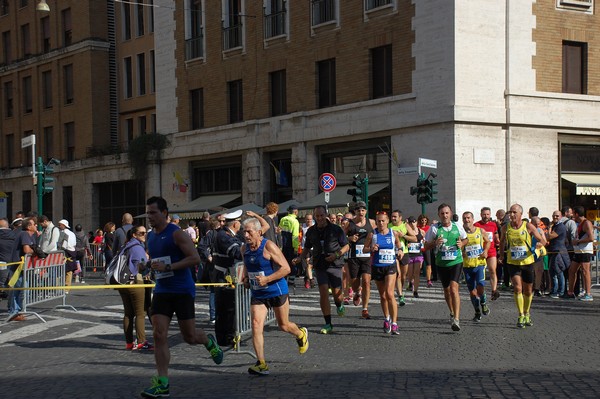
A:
x,y
432,189
44,180
423,196
357,193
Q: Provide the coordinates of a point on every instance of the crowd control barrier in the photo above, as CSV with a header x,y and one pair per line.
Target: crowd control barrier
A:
x,y
43,275
95,265
243,319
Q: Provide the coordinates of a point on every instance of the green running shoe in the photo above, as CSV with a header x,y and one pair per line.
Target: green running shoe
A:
x,y
157,390
528,321
215,350
327,329
485,309
401,301
521,322
341,310
259,369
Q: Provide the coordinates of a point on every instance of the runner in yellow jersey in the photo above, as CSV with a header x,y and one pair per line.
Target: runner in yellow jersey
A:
x,y
474,262
516,238
398,225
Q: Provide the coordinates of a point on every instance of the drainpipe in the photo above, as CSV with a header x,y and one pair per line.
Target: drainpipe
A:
x,y
507,100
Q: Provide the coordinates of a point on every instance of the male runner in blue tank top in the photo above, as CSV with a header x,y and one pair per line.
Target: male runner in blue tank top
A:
x,y
265,268
173,257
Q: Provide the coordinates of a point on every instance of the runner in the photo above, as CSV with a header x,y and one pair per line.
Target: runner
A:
x,y
403,258
415,253
583,245
474,260
491,228
264,272
384,243
517,237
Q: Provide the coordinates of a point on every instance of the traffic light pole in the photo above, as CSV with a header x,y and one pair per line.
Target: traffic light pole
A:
x,y
40,185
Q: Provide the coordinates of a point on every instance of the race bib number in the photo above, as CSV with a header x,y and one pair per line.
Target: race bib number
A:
x,y
387,256
167,261
414,247
253,282
473,251
360,253
490,236
449,253
518,253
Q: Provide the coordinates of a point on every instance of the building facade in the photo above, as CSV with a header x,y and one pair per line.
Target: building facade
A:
x,y
259,98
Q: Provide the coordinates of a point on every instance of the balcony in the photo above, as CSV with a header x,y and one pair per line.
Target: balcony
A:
x,y
194,47
372,4
275,24
323,11
232,37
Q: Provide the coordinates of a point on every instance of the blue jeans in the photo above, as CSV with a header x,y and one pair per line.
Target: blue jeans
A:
x,y
15,298
557,263
211,304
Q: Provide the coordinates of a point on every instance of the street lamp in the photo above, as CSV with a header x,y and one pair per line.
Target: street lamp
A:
x,y
42,6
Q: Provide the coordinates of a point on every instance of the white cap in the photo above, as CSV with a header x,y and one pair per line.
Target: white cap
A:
x,y
64,222
233,215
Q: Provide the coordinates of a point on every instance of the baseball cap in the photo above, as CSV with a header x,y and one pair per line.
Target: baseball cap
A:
x,y
411,219
292,207
175,217
360,204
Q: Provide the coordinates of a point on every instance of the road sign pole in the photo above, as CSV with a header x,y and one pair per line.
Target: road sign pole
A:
x,y
40,185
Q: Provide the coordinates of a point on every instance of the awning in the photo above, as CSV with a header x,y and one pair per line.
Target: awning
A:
x,y
586,184
250,206
339,198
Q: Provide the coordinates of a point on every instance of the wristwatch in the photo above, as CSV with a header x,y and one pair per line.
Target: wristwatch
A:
x,y
167,268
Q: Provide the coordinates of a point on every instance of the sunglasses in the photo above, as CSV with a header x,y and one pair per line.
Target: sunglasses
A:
x,y
381,213
141,233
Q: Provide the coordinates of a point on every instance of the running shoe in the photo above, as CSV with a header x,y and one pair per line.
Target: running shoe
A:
x,y
158,389
145,346
455,325
341,311
410,286
528,322
521,322
401,301
429,284
327,329
303,341
495,295
365,314
356,299
587,298
554,296
313,283
415,294
395,329
215,350
346,300
129,346
387,326
306,283
259,369
485,309
477,317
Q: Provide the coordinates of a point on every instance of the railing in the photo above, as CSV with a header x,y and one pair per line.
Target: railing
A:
x,y
194,47
96,263
323,11
232,37
371,4
275,24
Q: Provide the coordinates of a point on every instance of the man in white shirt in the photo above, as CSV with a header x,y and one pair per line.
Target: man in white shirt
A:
x,y
67,242
49,236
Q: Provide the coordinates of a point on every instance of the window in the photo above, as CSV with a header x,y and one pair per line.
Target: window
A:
x,y
232,24
574,67
67,27
372,4
236,101
70,141
68,79
150,15
142,125
27,95
126,13
8,100
10,150
153,123
275,18
6,53
217,180
323,11
47,89
197,108
577,5
140,18
141,74
127,78
67,205
152,72
45,22
326,83
4,7
48,142
26,204
25,41
129,129
194,35
278,92
381,71
23,3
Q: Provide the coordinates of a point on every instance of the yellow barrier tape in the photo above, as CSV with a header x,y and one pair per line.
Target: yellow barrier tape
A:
x,y
15,277
236,341
101,287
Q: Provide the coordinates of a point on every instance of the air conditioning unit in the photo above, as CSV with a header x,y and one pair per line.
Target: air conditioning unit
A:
x,y
577,3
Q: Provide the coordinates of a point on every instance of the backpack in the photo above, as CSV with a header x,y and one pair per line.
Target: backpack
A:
x,y
117,272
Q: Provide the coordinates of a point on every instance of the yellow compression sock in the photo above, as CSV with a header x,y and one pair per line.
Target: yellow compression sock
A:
x,y
519,301
527,299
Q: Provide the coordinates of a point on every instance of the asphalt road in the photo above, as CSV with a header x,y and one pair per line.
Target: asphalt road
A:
x,y
81,354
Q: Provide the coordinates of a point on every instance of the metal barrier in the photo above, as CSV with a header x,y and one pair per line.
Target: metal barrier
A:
x,y
243,318
96,264
42,275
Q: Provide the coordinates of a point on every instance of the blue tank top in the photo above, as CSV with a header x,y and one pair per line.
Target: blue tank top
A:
x,y
177,281
386,255
257,265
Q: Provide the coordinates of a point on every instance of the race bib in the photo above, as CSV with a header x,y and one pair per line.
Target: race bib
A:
x,y
387,256
490,236
473,251
449,253
254,283
360,253
414,247
518,252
